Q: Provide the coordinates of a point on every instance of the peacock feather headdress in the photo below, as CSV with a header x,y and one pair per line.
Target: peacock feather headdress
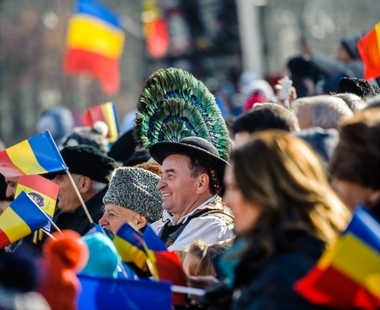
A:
x,y
174,105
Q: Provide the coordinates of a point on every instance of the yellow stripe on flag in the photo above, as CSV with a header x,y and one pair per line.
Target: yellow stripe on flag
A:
x,y
363,268
91,34
48,205
23,157
129,253
13,226
377,29
109,117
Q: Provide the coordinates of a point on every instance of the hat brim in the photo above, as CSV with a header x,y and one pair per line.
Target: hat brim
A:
x,y
52,175
161,150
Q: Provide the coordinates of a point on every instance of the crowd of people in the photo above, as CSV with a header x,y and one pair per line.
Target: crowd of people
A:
x,y
246,225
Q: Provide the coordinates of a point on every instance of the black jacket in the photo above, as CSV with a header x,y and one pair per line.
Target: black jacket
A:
x,y
78,220
271,286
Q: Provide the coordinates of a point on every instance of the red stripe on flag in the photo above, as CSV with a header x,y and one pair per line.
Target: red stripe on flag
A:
x,y
40,185
103,68
92,115
332,288
170,269
4,240
7,168
369,51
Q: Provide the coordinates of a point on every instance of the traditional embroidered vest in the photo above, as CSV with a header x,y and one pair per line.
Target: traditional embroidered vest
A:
x,y
216,208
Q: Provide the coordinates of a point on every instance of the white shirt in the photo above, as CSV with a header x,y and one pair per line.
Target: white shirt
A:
x,y
209,228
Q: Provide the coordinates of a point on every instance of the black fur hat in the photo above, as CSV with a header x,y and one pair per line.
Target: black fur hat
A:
x,y
360,87
88,161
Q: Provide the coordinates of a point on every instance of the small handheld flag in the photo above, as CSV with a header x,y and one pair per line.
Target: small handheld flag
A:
x,y
42,191
347,276
36,155
95,41
20,219
107,113
129,244
166,264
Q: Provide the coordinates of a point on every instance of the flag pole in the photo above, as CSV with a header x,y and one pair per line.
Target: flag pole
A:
x,y
80,197
50,235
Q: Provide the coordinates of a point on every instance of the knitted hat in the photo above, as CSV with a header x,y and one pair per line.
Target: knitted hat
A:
x,y
104,264
136,189
63,257
88,161
360,87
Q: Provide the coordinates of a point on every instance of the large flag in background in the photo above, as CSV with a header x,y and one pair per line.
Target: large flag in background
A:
x,y
42,191
369,49
36,155
101,293
95,41
20,219
107,113
347,276
155,29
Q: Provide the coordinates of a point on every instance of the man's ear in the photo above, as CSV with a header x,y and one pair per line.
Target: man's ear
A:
x,y
84,184
203,183
140,221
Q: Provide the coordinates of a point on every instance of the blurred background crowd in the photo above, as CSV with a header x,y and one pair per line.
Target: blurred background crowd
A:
x,y
225,43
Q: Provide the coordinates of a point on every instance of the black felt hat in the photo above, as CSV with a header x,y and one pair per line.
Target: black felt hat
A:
x,y
88,161
195,147
138,157
124,147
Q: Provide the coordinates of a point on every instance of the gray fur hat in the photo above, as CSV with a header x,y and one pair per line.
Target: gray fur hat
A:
x,y
136,189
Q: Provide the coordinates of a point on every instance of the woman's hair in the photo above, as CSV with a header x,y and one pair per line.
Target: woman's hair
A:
x,y
357,155
282,174
205,253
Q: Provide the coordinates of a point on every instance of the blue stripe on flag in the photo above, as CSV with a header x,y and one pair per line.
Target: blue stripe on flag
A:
x,y
46,152
365,227
106,293
97,10
30,213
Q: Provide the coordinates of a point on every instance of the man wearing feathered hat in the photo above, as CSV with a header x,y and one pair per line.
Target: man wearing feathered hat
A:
x,y
180,124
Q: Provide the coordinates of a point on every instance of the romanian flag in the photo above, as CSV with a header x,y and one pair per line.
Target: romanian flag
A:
x,y
369,49
99,293
95,41
155,29
128,242
166,265
347,276
36,155
20,219
42,191
107,113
